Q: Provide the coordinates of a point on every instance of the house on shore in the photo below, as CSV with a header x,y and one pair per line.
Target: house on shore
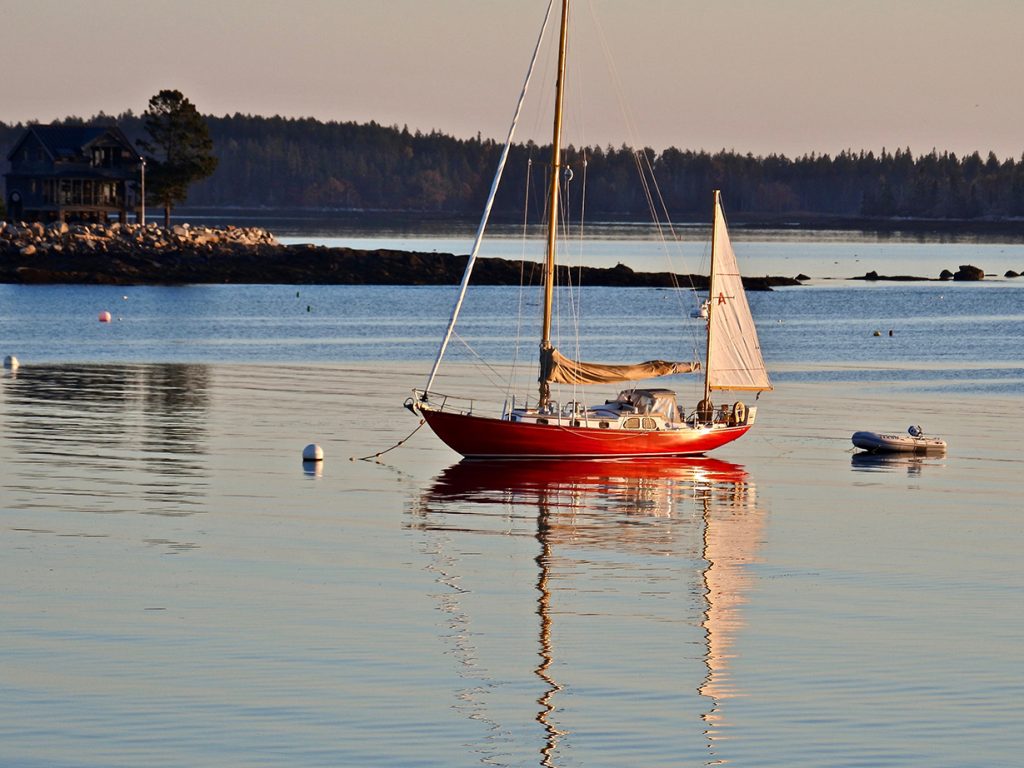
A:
x,y
86,173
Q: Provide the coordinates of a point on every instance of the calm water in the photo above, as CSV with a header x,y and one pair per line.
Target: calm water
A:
x,y
943,334
180,590
819,254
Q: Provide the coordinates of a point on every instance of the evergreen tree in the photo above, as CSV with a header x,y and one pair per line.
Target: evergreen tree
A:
x,y
276,162
180,149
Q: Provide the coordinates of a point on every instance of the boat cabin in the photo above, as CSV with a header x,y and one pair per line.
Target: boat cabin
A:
x,y
635,409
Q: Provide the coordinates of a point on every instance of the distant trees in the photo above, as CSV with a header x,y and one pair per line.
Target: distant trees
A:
x,y
276,162
179,146
280,162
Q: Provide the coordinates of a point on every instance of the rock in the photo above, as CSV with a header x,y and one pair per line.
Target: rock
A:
x,y
969,272
872,275
28,250
1011,273
945,275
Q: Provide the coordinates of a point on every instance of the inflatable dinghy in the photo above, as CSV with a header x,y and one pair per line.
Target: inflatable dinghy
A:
x,y
914,441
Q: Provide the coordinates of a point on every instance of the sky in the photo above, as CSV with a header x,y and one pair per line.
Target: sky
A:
x,y
761,76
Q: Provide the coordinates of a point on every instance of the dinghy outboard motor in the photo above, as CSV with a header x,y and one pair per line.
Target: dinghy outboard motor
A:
x,y
915,431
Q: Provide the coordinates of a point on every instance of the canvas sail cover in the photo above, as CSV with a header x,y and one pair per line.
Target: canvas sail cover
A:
x,y
734,354
561,370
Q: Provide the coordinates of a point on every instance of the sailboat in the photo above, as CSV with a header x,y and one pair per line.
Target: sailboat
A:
x,y
637,422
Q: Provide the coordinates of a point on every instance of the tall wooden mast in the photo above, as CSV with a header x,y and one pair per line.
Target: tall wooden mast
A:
x,y
711,293
553,195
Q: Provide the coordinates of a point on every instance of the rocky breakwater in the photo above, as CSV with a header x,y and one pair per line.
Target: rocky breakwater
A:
x,y
966,272
119,253
132,254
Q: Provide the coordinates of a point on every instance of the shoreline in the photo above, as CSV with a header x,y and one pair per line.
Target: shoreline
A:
x,y
792,222
133,254
151,255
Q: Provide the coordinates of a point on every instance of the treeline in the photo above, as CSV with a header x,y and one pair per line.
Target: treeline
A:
x,y
277,162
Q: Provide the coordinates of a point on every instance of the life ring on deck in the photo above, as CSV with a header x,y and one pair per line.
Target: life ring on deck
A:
x,y
739,413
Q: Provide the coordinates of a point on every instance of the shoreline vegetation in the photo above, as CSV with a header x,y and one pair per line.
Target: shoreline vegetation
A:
x,y
278,163
133,254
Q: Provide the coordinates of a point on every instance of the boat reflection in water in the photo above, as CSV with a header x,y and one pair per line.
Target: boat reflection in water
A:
x,y
865,461
107,438
699,510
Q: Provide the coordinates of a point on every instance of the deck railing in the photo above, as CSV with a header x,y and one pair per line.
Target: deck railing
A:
x,y
442,402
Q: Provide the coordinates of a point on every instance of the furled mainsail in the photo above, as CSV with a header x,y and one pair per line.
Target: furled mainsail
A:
x,y
559,369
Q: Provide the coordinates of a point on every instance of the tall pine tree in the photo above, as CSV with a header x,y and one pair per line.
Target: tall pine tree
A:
x,y
180,150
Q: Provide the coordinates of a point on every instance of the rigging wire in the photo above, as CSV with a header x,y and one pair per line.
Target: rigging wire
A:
x,y
490,201
583,218
492,374
662,220
522,274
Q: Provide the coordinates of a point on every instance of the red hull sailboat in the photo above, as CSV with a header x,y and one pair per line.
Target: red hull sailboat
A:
x,y
638,422
481,437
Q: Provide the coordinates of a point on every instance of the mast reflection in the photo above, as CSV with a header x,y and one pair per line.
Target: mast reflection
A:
x,y
599,503
733,530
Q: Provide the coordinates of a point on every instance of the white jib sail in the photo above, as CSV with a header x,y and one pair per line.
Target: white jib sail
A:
x,y
734,354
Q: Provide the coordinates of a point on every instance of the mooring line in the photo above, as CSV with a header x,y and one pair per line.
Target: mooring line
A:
x,y
381,453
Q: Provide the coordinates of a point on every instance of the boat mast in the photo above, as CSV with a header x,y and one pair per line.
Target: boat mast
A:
x,y
487,207
556,166
711,293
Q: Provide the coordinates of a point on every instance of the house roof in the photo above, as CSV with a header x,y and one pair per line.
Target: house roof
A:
x,y
71,141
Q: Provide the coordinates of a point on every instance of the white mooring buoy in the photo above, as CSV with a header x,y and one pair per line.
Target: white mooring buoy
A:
x,y
312,452
11,363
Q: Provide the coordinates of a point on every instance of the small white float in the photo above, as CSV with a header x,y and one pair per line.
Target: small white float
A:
x,y
915,441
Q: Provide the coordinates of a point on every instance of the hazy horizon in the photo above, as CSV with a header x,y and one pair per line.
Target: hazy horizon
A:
x,y
791,78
